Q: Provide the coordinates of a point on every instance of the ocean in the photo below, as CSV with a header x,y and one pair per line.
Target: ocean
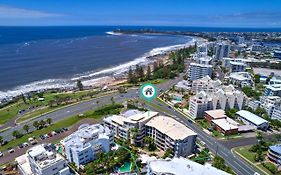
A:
x,y
38,58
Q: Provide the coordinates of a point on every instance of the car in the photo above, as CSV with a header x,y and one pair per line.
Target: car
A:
x,y
1,154
41,137
25,144
21,146
65,129
11,150
50,134
54,133
46,136
34,142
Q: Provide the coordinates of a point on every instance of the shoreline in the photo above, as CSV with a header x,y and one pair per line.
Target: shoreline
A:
x,y
105,77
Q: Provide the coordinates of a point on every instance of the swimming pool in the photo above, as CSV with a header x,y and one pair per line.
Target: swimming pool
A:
x,y
126,167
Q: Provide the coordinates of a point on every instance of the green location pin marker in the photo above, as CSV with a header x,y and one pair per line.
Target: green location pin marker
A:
x,y
148,92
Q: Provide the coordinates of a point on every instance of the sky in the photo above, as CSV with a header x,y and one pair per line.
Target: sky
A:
x,y
202,13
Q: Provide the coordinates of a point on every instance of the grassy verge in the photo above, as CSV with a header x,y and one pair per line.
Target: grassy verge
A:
x,y
93,114
10,111
244,151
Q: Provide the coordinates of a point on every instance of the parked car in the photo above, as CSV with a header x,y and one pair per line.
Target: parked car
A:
x,y
20,146
11,150
65,129
25,144
50,134
54,133
1,154
46,136
42,137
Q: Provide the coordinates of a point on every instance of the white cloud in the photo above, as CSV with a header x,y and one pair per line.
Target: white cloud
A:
x,y
14,12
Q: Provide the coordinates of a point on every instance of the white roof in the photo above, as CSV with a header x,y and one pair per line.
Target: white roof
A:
x,y
251,117
226,123
217,113
237,63
183,166
169,126
241,76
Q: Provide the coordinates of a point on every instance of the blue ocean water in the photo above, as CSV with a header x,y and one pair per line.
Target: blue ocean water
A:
x,y
34,58
46,57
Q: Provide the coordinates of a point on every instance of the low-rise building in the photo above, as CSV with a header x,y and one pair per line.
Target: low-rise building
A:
x,y
241,79
82,146
226,126
274,153
181,166
252,119
237,66
275,80
169,133
42,160
276,114
214,115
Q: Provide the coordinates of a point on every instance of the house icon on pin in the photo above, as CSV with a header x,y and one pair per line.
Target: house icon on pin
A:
x,y
148,91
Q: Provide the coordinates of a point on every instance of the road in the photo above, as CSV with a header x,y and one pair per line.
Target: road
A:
x,y
237,164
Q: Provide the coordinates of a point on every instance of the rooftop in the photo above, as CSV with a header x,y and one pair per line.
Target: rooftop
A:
x,y
183,166
251,117
276,148
237,63
226,123
241,76
216,114
275,87
170,127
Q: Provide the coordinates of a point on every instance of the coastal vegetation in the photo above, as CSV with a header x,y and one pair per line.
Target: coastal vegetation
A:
x,y
29,107
220,164
159,70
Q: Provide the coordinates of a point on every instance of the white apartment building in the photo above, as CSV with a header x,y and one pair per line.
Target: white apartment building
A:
x,y
273,90
42,160
169,133
236,66
82,146
181,166
183,85
276,114
206,84
241,79
122,125
224,98
197,71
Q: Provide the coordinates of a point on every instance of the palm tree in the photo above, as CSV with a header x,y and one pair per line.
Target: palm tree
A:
x,y
42,123
26,128
36,124
49,121
112,100
1,140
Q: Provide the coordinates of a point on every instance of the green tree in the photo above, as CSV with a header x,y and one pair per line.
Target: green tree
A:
x,y
26,128
79,85
49,121
36,124
42,123
257,78
112,100
148,73
23,98
16,134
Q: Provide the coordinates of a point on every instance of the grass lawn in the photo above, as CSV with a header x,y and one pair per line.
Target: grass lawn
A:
x,y
10,111
156,106
244,151
266,170
203,123
63,123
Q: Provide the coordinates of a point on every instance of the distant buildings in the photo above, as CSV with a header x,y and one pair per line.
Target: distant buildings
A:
x,y
169,133
241,79
275,80
277,54
221,122
224,98
237,66
273,90
181,166
252,119
200,69
221,50
42,160
82,146
274,153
